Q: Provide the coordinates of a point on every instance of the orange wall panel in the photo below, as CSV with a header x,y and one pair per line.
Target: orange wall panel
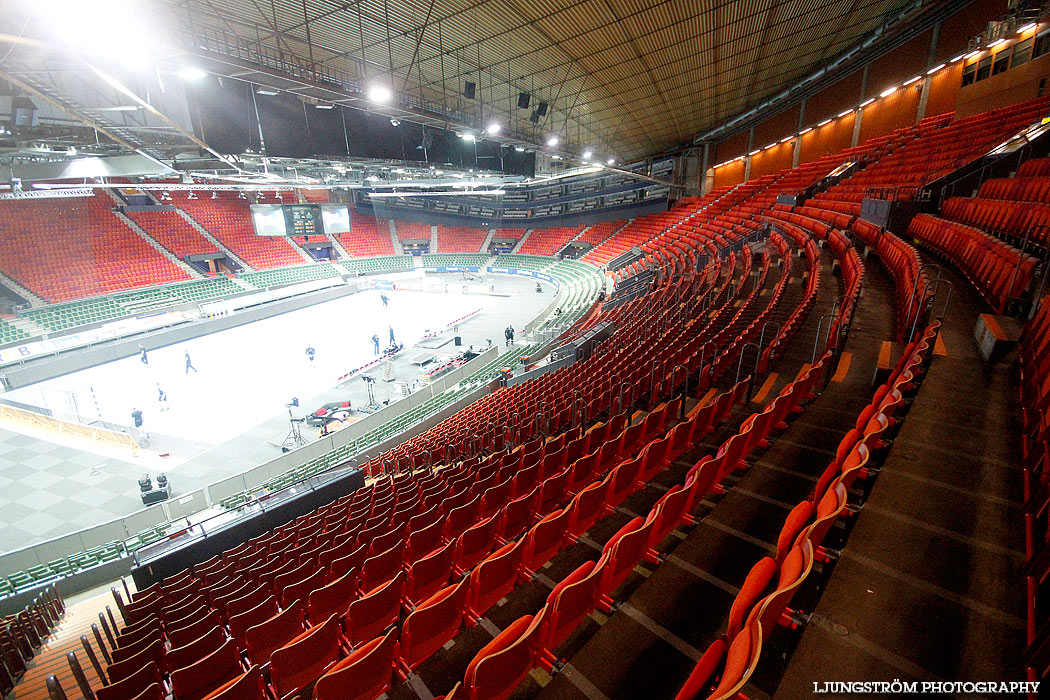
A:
x,y
731,174
771,160
1010,87
828,139
944,90
889,113
776,127
835,99
900,64
735,145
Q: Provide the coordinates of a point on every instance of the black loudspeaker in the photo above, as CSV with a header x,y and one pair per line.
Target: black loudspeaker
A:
x,y
154,496
468,90
534,117
523,100
541,109
459,341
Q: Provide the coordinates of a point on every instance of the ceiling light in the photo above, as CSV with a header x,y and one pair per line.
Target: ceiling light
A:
x,y
467,136
379,94
757,150
492,129
825,122
324,106
1027,28
888,91
911,80
806,130
975,52
934,69
264,91
587,154
519,149
552,141
846,113
611,161
867,102
117,30
995,43
191,73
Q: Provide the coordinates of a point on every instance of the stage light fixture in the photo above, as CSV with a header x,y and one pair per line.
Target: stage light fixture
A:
x,y
611,161
492,129
587,154
552,141
264,91
395,122
380,94
190,73
519,149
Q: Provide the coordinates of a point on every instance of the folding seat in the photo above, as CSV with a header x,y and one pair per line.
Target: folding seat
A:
x,y
370,615
585,510
301,590
197,680
625,550
129,640
459,519
517,516
654,460
494,498
621,483
348,563
184,655
525,481
385,541
543,541
295,573
730,665
422,542
304,659
133,685
494,578
795,569
150,653
175,582
431,625
427,517
429,574
339,550
553,461
247,686
673,508
504,662
475,544
262,639
572,600
377,570
366,674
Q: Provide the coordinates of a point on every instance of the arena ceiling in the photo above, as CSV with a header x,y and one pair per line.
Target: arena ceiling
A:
x,y
623,79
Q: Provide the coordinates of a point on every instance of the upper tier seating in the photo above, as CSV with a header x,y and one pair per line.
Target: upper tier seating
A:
x,y
548,241
69,248
228,218
173,232
1018,207
368,236
413,231
599,232
460,239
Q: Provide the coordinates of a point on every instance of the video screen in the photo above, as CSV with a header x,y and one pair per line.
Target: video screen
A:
x,y
336,218
268,220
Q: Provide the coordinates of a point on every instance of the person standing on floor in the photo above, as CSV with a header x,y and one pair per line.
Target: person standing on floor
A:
x,y
392,341
142,355
189,364
162,398
385,300
375,343
509,335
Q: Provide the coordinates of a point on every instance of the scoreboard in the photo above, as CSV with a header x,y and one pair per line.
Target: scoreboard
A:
x,y
302,220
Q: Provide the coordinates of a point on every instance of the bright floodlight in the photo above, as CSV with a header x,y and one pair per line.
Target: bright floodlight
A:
x,y
611,161
111,29
191,74
492,129
552,141
379,94
587,154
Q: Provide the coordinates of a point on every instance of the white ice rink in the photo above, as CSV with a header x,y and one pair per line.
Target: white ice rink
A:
x,y
245,375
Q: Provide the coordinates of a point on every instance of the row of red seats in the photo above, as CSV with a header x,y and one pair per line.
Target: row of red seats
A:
x,y
1034,167
412,230
761,606
548,241
999,271
173,232
227,216
368,236
24,633
460,239
1024,189
1018,219
597,233
1035,461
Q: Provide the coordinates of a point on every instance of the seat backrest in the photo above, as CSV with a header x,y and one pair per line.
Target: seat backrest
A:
x,y
741,660
429,574
151,653
494,577
177,657
572,599
263,638
364,675
239,624
133,684
754,588
305,658
195,681
434,621
333,598
370,615
544,539
247,686
793,572
585,509
301,590
184,635
382,567
502,664
796,520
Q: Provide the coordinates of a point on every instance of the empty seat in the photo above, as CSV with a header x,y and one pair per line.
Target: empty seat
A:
x,y
433,623
247,686
504,662
365,674
305,659
195,681
265,637
370,616
494,578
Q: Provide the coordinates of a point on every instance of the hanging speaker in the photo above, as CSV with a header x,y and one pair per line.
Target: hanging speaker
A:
x,y
468,90
541,109
428,141
523,100
534,117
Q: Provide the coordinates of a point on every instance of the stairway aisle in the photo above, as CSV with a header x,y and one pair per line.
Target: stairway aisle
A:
x,y
930,584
